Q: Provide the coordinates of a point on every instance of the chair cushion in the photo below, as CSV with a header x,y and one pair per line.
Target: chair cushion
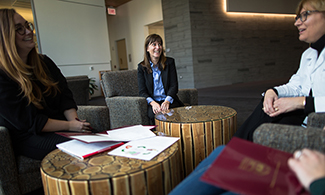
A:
x,y
27,165
122,114
120,83
289,137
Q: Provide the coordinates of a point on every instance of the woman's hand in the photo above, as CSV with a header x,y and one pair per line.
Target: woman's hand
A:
x,y
53,125
155,107
274,106
269,98
284,105
165,105
308,165
79,125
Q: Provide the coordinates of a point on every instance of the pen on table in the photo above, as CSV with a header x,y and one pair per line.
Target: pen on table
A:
x,y
92,129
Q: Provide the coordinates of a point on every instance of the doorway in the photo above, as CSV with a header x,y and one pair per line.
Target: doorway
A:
x,y
121,54
157,28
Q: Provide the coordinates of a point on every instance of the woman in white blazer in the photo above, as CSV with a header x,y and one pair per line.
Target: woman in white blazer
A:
x,y
288,103
304,93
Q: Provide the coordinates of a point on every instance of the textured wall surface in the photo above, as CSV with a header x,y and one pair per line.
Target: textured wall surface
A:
x,y
212,48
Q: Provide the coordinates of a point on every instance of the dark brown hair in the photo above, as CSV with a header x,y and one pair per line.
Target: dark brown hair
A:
x,y
146,61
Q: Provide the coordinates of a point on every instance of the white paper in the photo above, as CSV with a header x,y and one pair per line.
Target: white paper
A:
x,y
92,138
122,134
131,133
144,149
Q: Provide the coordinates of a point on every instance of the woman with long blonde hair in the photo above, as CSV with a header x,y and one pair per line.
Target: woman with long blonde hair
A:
x,y
35,99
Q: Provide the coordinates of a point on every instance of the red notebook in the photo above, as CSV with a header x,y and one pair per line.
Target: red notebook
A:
x,y
248,168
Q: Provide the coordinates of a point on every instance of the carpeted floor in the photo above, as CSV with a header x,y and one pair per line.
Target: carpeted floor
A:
x,y
243,97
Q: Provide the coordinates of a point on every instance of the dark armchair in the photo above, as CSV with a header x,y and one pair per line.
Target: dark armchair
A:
x,y
79,86
21,175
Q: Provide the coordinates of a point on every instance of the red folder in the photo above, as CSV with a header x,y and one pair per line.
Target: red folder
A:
x,y
248,168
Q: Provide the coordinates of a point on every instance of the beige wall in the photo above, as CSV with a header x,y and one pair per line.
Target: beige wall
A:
x,y
130,23
76,37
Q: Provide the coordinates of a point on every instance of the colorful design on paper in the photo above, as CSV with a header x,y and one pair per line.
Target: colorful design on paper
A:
x,y
138,150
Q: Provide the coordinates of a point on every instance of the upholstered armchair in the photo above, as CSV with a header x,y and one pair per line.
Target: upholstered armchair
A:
x,y
290,138
79,86
122,98
21,175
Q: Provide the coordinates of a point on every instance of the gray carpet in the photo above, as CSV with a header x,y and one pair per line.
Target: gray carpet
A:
x,y
243,97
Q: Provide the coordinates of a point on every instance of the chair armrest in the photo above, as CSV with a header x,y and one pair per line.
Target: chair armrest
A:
x,y
103,88
316,120
97,116
289,137
8,167
188,96
127,110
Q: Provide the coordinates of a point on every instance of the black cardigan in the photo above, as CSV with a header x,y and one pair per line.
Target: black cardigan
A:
x,y
169,79
23,120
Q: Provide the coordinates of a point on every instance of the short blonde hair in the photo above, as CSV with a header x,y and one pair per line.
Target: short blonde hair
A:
x,y
316,4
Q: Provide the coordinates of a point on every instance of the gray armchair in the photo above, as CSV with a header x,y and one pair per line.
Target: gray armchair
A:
x,y
122,98
21,175
79,86
290,138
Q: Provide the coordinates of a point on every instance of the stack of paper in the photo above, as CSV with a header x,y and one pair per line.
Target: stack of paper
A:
x,y
121,134
131,133
142,142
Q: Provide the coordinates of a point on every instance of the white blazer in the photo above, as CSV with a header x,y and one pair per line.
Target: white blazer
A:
x,y
310,75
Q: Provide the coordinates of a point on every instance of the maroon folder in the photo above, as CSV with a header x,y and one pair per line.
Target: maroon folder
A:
x,y
248,168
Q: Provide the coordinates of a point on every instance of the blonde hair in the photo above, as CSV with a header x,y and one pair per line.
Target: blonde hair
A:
x,y
316,4
146,61
23,74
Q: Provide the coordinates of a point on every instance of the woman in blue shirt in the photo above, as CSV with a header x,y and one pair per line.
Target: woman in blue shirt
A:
x,y
157,78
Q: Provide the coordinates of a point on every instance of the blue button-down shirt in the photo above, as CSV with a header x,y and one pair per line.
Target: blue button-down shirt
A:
x,y
158,87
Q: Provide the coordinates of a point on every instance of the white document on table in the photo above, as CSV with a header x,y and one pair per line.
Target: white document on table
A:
x,y
144,149
91,138
130,133
121,134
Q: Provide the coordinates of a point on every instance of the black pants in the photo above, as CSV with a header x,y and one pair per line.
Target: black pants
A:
x,y
259,117
38,146
151,115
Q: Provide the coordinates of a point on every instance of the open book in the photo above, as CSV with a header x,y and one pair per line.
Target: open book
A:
x,y
248,168
83,150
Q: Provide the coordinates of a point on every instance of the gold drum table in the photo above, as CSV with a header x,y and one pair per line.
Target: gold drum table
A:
x,y
103,174
200,128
